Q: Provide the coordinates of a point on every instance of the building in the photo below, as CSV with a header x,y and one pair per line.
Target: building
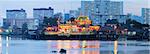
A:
x,y
137,18
66,16
74,13
87,8
40,13
120,18
10,22
1,21
115,8
74,28
146,15
16,13
101,7
106,7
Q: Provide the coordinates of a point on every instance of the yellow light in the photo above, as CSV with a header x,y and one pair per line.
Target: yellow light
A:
x,y
1,30
115,47
49,28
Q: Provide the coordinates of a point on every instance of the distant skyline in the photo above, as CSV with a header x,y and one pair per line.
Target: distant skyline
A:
x,y
130,6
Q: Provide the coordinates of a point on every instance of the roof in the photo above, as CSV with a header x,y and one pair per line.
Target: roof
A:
x,y
22,10
43,8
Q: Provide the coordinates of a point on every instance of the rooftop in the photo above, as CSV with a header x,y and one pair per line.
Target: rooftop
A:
x,y
43,8
15,10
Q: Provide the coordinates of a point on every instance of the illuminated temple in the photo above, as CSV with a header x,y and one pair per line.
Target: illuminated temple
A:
x,y
81,25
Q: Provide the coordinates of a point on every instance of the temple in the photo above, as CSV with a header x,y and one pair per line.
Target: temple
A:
x,y
82,25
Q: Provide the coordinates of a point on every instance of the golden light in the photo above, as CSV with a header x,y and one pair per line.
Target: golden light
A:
x,y
49,28
83,20
115,47
1,30
75,26
94,28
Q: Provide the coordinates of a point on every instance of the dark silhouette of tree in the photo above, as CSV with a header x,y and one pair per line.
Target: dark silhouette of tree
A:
x,y
6,25
25,29
134,24
112,21
15,29
49,21
45,21
72,19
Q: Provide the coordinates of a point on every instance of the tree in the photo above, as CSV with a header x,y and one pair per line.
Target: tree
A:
x,y
49,21
25,29
134,23
6,25
72,19
45,21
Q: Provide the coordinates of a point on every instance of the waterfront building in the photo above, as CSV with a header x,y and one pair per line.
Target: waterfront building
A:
x,y
106,7
87,8
146,15
10,22
16,14
40,13
115,8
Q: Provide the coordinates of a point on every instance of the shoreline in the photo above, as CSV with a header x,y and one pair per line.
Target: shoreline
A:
x,y
79,37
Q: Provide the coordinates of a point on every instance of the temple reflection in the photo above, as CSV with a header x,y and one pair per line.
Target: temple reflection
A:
x,y
115,47
76,47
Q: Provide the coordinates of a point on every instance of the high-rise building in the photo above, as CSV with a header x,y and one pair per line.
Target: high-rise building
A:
x,y
101,7
146,15
40,13
115,8
106,7
87,8
16,13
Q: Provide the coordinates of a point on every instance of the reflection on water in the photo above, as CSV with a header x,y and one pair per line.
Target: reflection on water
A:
x,y
0,44
115,47
75,47
10,46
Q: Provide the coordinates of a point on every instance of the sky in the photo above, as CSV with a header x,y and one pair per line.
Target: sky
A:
x,y
130,6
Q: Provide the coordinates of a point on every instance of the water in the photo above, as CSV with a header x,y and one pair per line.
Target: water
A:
x,y
19,46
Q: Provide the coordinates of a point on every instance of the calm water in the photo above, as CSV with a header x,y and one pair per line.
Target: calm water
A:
x,y
18,46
